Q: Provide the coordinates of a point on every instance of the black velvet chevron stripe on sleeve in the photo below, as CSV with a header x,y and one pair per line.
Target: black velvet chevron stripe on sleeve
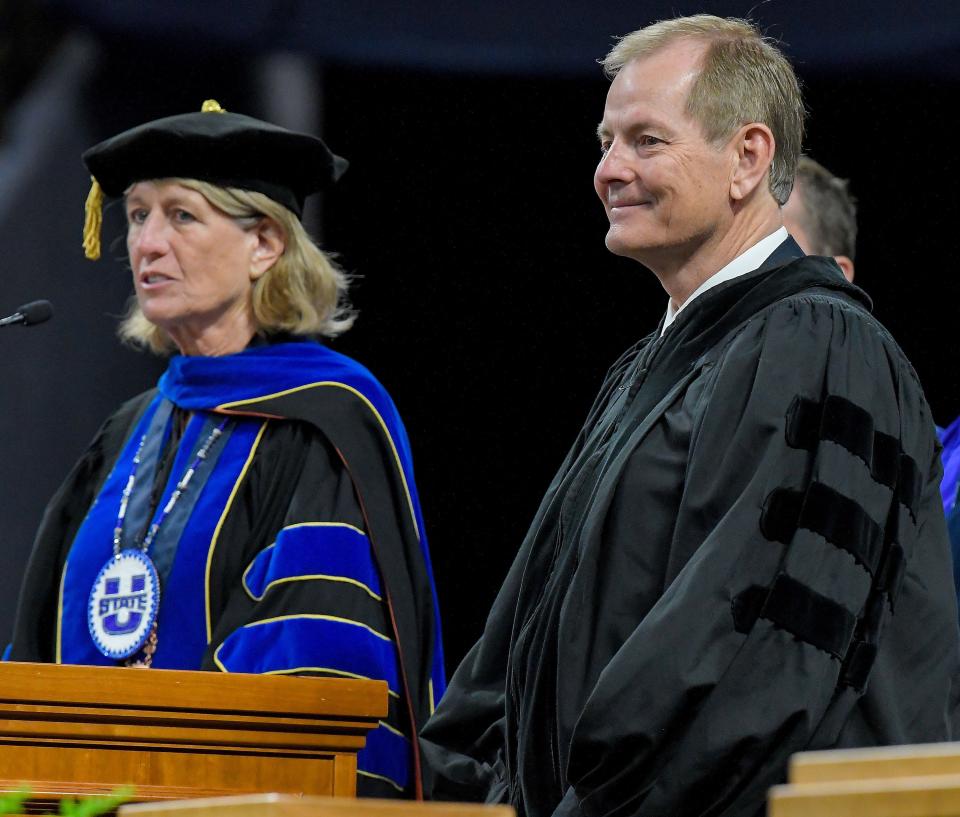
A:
x,y
845,423
800,611
836,518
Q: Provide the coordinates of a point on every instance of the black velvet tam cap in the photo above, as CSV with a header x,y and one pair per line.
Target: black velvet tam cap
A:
x,y
227,149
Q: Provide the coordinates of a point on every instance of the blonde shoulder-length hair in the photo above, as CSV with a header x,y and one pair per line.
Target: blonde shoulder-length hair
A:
x,y
303,293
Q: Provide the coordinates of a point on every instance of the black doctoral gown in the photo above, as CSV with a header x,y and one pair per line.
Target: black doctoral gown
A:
x,y
743,556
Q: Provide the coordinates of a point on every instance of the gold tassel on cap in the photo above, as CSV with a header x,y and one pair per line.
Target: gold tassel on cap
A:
x,y
93,211
93,220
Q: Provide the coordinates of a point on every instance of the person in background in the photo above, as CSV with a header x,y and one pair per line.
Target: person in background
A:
x,y
744,554
257,511
950,490
821,215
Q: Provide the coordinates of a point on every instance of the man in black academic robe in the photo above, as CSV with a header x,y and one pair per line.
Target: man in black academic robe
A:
x,y
743,555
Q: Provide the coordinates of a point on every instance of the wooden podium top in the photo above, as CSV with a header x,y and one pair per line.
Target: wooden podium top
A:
x,y
285,805
180,690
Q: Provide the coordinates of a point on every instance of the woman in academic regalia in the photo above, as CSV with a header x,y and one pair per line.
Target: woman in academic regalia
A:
x,y
256,512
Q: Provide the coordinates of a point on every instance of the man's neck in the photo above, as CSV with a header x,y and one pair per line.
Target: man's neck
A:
x,y
749,260
683,274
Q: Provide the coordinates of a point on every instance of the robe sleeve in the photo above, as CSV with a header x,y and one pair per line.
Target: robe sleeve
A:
x,y
301,592
810,518
463,744
34,632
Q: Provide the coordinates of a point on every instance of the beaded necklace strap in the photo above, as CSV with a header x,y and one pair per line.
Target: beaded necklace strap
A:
x,y
150,646
184,481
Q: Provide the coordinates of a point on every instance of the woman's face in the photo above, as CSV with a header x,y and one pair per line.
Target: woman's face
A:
x,y
193,267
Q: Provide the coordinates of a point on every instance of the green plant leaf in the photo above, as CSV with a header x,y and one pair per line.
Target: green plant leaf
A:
x,y
93,806
12,802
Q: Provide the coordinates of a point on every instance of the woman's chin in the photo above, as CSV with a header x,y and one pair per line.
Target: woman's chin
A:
x,y
163,312
159,317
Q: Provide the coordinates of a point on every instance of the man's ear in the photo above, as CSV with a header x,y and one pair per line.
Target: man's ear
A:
x,y
846,266
270,244
754,145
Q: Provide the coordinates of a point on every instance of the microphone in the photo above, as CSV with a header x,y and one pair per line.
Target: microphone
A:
x,y
30,314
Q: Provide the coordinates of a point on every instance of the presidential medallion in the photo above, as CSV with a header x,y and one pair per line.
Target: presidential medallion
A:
x,y
123,604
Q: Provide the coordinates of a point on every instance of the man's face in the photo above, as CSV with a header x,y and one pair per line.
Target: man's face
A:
x,y
666,190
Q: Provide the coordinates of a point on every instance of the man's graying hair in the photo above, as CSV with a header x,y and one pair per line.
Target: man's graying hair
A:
x,y
744,78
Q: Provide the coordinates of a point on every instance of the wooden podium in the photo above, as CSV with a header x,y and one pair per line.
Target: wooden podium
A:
x,y
74,731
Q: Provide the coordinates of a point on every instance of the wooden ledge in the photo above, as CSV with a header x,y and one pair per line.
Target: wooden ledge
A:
x,y
926,796
880,762
156,689
283,805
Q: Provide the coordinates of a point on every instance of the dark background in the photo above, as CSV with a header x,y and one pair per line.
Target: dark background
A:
x,y
488,304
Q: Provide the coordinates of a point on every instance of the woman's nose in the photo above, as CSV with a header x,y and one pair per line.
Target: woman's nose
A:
x,y
149,236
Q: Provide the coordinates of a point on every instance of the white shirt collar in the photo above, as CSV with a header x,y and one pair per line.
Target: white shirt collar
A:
x,y
749,260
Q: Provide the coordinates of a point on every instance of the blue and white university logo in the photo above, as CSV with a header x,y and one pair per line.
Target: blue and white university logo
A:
x,y
123,604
